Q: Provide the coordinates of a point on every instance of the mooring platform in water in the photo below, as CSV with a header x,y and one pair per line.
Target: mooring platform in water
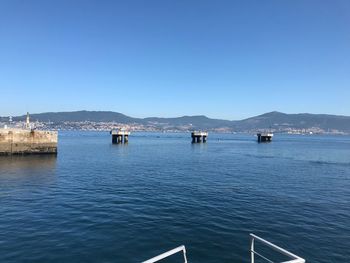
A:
x,y
264,137
199,136
120,136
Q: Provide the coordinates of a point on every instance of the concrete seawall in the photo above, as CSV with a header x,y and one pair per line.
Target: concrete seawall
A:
x,y
17,141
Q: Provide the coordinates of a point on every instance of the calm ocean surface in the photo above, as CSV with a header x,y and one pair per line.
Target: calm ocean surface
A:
x,y
98,202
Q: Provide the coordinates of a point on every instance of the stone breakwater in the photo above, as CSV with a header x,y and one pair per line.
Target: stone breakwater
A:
x,y
17,141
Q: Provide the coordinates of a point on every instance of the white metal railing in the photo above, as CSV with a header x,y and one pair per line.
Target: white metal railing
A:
x,y
168,254
293,258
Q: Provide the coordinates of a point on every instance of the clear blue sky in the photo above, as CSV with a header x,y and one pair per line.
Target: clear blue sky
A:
x,y
225,59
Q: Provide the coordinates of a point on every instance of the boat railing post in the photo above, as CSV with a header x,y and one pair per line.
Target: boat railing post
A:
x,y
252,249
184,252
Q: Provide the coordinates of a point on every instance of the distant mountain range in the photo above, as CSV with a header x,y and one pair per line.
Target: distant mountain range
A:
x,y
275,121
282,121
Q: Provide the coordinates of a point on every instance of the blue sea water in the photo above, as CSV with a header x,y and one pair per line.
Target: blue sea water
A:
x,y
98,202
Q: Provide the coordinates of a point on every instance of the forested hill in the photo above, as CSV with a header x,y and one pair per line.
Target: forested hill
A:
x,y
273,120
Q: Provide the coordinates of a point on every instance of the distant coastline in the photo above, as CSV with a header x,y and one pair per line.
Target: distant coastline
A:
x,y
276,122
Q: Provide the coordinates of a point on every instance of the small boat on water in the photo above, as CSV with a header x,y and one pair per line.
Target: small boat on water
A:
x,y
290,257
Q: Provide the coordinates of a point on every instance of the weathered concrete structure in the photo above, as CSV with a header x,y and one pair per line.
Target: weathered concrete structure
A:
x,y
199,136
120,136
264,137
22,141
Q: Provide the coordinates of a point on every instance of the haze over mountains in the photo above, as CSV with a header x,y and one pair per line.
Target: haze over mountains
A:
x,y
275,121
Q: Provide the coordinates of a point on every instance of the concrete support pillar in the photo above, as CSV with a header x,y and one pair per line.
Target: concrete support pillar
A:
x,y
116,139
